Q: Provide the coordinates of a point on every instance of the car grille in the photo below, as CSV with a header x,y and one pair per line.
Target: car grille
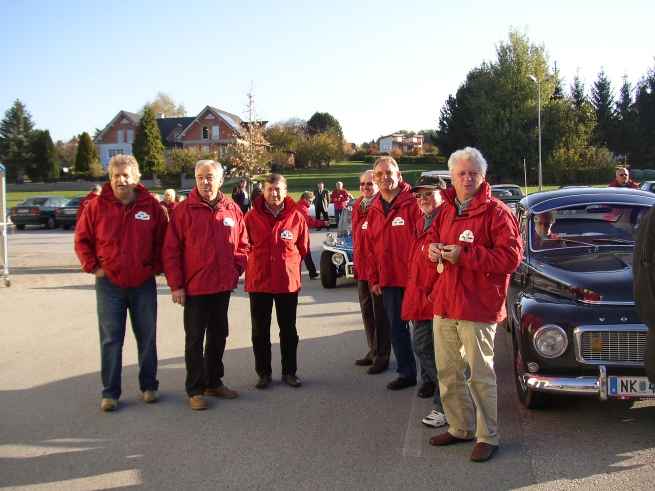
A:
x,y
612,346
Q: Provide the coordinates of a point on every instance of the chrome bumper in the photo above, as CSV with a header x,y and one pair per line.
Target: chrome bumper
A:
x,y
570,385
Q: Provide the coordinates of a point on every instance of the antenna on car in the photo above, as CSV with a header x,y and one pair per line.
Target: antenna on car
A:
x,y
525,175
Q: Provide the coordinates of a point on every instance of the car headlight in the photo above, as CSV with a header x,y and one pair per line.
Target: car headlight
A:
x,y
331,241
337,259
550,341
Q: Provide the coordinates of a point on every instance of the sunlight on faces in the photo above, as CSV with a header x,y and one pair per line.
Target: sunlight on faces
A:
x,y
274,194
387,176
428,203
123,182
543,223
370,187
208,182
466,178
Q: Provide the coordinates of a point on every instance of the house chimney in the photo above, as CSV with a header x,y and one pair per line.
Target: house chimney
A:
x,y
161,116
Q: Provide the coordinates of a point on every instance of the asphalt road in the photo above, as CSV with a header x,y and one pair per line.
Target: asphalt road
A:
x,y
341,430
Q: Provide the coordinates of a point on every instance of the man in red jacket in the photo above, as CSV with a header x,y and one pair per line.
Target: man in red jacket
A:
x,y
376,324
119,240
476,243
392,218
204,254
303,207
416,306
339,198
623,180
84,202
279,239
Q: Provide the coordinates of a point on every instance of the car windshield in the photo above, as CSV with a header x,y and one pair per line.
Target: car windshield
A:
x,y
34,202
345,223
75,201
587,225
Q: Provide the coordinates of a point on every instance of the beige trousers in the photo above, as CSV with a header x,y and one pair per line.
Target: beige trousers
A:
x,y
477,341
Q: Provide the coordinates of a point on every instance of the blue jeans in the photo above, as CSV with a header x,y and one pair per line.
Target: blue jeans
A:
x,y
401,339
113,304
337,216
423,345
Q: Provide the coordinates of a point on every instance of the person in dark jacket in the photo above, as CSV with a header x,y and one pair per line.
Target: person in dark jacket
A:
x,y
392,218
476,243
376,324
321,204
240,196
202,282
119,239
420,282
256,192
643,267
279,240
303,207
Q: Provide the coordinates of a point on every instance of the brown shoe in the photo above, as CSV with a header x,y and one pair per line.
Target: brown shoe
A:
x,y
292,380
263,381
375,369
363,362
198,403
447,439
483,452
221,391
109,404
150,396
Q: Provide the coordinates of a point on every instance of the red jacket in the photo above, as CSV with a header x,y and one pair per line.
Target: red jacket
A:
x,y
421,277
125,241
205,250
303,207
475,289
84,202
339,198
361,240
391,238
170,207
631,184
277,246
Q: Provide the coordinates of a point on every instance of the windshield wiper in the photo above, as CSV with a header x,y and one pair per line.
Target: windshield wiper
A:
x,y
614,241
565,240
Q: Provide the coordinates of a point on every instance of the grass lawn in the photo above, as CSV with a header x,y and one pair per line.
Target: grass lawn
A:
x,y
297,181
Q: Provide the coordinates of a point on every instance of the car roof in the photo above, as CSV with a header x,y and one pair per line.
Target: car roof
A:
x,y
572,196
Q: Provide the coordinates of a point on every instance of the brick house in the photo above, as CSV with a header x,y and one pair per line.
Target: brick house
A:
x,y
117,137
399,141
212,130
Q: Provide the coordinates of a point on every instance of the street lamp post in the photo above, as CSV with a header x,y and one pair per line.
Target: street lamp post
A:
x,y
534,79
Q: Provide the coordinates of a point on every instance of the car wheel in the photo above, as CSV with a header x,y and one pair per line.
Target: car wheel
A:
x,y
66,227
528,397
50,224
20,226
328,270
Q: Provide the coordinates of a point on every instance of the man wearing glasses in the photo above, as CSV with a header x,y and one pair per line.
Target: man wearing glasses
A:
x,y
376,324
416,307
392,218
623,180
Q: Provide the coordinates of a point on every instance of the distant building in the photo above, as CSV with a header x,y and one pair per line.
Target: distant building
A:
x,y
399,141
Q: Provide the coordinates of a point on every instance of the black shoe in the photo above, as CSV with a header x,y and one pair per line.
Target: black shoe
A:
x,y
263,381
319,229
401,383
427,389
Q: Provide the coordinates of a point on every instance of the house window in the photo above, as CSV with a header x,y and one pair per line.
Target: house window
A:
x,y
119,136
215,133
205,132
205,149
112,152
130,136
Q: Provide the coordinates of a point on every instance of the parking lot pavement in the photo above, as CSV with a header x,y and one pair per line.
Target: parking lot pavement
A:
x,y
341,430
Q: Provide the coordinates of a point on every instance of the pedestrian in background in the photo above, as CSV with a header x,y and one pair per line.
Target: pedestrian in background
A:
x,y
303,207
321,204
240,196
119,239
339,198
623,180
204,255
84,202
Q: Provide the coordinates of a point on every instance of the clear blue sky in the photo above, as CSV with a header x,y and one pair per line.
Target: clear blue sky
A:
x,y
377,66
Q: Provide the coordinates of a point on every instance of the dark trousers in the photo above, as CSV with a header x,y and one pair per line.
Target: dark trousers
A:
x,y
401,338
261,310
321,212
309,264
376,324
205,315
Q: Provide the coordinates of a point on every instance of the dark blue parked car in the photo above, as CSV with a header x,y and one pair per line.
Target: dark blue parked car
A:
x,y
337,256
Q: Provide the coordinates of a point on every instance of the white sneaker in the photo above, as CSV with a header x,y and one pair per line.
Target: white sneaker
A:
x,y
435,419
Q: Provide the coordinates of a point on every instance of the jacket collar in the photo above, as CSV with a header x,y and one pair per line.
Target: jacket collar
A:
x,y
480,200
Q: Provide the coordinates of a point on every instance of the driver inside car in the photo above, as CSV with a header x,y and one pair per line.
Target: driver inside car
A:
x,y
543,224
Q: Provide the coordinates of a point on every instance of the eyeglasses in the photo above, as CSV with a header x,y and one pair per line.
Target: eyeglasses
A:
x,y
623,175
379,174
369,183
424,194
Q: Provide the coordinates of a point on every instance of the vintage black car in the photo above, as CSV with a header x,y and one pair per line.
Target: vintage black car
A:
x,y
575,328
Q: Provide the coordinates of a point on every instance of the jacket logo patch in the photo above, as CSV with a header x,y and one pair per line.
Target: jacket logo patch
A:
x,y
286,235
365,225
398,221
228,222
467,236
142,215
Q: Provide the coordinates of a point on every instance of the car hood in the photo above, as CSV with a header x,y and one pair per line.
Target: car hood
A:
x,y
594,277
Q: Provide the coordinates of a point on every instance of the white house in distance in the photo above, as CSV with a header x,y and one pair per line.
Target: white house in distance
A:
x,y
399,141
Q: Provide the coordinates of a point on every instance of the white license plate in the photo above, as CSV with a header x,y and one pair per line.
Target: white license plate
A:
x,y
70,212
22,210
630,387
